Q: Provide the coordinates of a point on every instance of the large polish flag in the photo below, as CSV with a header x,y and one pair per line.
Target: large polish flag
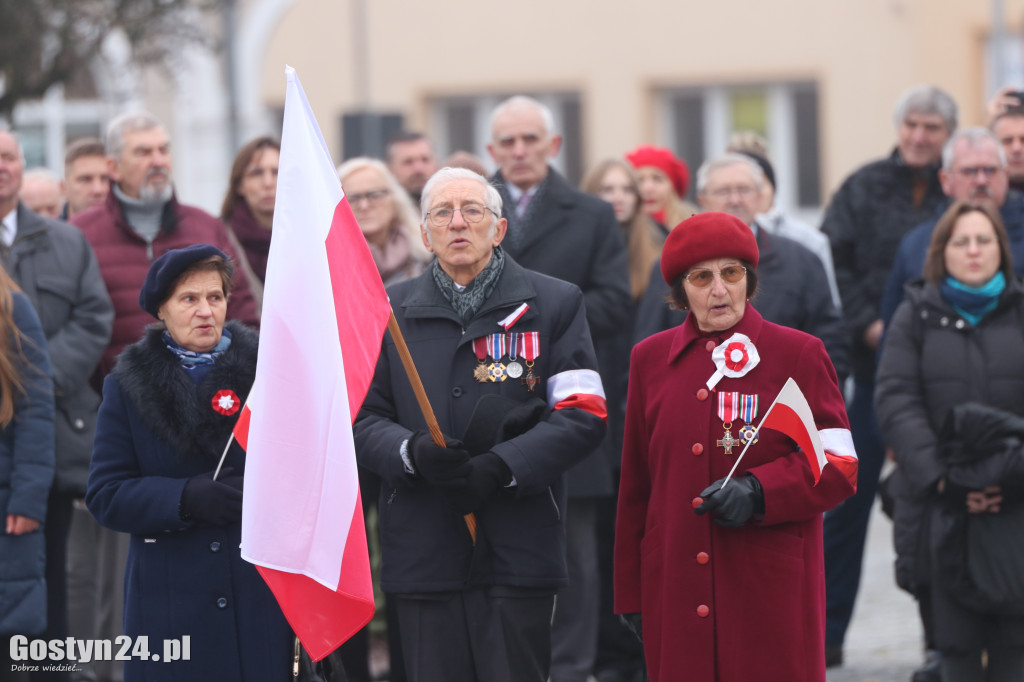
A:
x,y
324,315
791,415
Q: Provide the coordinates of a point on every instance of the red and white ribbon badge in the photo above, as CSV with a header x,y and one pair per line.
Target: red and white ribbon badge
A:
x,y
734,357
226,402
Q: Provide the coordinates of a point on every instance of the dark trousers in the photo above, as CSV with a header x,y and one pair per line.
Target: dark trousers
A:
x,y
846,526
618,649
578,607
487,634
58,523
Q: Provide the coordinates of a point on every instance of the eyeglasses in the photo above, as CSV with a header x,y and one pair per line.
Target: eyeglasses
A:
x,y
742,191
703,278
972,172
471,213
374,197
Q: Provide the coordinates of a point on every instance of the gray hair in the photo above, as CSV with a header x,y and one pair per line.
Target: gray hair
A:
x,y
729,159
975,137
129,122
42,173
448,175
523,102
926,99
405,211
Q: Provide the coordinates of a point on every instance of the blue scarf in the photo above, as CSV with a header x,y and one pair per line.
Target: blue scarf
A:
x,y
191,359
973,303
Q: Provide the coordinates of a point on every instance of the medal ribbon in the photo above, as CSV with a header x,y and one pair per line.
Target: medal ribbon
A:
x,y
749,409
513,346
529,345
496,345
480,348
728,406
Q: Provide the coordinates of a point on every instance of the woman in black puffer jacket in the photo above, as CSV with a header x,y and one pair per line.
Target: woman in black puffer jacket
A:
x,y
957,338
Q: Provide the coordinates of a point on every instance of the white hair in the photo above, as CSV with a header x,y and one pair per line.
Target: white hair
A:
x,y
975,137
524,102
448,175
730,159
129,122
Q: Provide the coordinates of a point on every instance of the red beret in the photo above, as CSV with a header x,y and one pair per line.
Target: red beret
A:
x,y
705,236
665,161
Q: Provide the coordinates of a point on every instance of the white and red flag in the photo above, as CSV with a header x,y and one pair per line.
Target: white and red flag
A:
x,y
324,315
791,415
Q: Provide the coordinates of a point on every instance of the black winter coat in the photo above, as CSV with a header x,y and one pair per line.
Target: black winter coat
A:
x,y
157,429
865,222
520,531
793,291
574,236
928,366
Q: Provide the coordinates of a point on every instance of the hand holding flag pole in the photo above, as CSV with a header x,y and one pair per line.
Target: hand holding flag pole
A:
x,y
424,402
795,419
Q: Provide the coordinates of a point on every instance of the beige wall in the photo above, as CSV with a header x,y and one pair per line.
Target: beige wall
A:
x,y
862,54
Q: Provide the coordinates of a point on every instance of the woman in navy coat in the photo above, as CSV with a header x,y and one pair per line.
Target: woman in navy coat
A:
x,y
26,464
167,413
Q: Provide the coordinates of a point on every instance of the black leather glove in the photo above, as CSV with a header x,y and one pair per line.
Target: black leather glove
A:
x,y
634,622
212,503
734,506
488,472
438,465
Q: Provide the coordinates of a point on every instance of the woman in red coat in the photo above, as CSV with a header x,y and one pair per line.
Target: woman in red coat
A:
x,y
729,585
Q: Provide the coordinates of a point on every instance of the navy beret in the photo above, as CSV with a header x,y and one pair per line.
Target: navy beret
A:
x,y
705,236
165,271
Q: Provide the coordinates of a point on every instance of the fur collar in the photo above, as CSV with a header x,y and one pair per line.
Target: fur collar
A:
x,y
176,411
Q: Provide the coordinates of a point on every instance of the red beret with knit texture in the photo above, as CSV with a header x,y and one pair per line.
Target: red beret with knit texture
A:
x,y
703,237
665,161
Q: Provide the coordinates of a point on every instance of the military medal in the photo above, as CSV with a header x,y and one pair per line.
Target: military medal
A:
x,y
728,410
733,358
530,351
513,368
748,412
496,349
480,372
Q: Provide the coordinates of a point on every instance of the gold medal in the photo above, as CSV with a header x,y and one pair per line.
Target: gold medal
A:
x,y
481,374
496,372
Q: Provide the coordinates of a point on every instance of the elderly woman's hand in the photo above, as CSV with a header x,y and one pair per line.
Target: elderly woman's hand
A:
x,y
733,506
209,502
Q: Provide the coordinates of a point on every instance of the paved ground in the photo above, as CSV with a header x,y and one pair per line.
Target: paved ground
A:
x,y
884,640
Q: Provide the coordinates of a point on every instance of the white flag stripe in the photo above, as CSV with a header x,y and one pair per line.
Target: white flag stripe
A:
x,y
300,463
572,382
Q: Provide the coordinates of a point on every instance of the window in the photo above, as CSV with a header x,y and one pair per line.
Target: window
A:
x,y
462,123
698,122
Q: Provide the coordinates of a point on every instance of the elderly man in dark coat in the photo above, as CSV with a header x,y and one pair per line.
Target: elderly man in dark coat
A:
x,y
564,233
483,331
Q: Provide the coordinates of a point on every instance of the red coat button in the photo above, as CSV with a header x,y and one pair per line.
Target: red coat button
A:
x,y
703,610
702,394
703,558
697,449
697,501
710,346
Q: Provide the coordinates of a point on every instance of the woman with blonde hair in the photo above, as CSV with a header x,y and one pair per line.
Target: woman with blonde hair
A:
x,y
386,216
616,182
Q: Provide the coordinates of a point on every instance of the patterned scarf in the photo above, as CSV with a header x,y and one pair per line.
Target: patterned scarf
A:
x,y
191,359
467,301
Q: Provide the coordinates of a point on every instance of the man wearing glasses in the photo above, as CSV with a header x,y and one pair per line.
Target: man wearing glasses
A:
x,y
794,289
505,356
973,167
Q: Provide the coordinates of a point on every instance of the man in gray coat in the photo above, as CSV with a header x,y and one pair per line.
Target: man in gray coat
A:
x,y
55,266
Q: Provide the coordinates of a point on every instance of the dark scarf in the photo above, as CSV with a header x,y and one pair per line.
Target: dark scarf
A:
x,y
518,227
171,405
254,237
468,301
973,303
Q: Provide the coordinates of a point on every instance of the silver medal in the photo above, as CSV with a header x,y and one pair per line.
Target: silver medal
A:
x,y
514,369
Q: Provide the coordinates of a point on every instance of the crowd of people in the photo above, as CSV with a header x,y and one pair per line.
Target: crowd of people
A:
x,y
598,360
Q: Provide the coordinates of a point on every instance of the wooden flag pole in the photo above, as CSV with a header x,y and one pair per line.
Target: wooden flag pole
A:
x,y
421,398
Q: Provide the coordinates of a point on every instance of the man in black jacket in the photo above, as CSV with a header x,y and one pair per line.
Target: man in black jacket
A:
x,y
559,231
478,325
867,218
